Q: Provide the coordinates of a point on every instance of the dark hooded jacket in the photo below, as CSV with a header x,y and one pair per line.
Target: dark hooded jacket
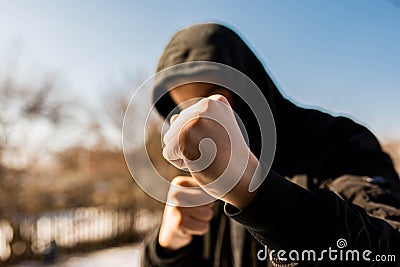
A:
x,y
329,180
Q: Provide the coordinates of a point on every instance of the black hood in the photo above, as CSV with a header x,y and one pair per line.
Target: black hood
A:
x,y
217,43
308,141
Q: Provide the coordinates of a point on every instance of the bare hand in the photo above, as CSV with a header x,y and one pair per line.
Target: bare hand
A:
x,y
179,224
206,139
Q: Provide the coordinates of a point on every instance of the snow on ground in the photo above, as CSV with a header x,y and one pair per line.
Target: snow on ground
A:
x,y
127,256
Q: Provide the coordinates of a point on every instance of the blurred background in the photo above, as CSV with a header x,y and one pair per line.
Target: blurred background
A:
x,y
68,69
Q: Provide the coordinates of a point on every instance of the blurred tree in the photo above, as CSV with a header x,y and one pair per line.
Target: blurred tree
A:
x,y
57,154
28,114
26,111
115,101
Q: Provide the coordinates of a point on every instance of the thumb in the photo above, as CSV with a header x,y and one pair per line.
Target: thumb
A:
x,y
184,191
219,97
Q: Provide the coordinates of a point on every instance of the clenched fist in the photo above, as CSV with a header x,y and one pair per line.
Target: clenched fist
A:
x,y
206,139
179,223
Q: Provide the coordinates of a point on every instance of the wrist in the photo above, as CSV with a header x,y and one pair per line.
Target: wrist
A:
x,y
170,240
240,196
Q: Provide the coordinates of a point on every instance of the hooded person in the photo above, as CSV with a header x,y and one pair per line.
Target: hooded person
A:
x,y
329,180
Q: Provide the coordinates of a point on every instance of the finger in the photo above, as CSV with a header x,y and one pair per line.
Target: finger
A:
x,y
171,153
173,130
187,181
179,121
203,213
219,98
188,197
194,227
185,192
178,163
173,118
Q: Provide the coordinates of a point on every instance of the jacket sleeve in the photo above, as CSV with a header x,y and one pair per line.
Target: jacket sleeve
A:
x,y
285,216
155,256
354,193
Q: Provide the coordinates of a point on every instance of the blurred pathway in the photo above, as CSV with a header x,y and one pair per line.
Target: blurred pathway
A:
x,y
127,256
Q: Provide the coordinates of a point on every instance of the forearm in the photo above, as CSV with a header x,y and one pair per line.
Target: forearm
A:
x,y
240,196
285,216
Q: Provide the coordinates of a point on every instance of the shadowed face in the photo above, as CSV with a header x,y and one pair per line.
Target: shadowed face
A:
x,y
188,91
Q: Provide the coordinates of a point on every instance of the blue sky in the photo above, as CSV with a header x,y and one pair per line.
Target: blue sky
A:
x,y
340,56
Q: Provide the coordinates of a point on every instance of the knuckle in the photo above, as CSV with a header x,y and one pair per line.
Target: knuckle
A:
x,y
179,180
184,181
206,105
175,181
208,215
220,97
